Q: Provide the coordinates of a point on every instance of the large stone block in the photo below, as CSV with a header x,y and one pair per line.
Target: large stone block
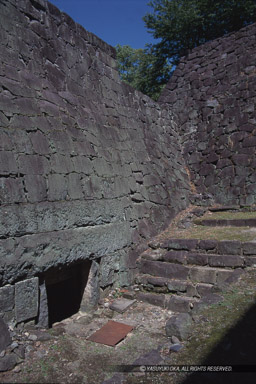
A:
x,y
162,269
26,299
5,338
11,190
229,247
36,188
57,187
8,164
180,326
6,298
203,275
33,165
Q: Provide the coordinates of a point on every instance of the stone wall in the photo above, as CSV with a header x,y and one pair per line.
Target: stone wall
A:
x,y
89,167
213,93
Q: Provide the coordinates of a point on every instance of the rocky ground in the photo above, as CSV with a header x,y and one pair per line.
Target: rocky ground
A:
x,y
223,333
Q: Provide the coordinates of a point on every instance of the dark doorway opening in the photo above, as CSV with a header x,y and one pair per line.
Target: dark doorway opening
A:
x,y
65,287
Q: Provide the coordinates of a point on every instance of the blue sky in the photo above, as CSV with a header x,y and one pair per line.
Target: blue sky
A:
x,y
114,21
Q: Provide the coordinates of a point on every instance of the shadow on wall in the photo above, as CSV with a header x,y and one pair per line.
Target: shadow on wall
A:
x,y
238,347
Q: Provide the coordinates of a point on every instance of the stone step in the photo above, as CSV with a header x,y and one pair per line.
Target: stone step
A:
x,y
171,302
224,247
196,274
181,287
226,222
224,208
203,259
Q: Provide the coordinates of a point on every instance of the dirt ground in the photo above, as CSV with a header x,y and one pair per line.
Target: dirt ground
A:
x,y
223,333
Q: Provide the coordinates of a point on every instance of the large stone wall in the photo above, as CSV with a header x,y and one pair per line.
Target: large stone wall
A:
x,y
213,93
89,167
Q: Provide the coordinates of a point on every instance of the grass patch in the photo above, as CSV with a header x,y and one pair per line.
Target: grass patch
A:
x,y
215,233
228,216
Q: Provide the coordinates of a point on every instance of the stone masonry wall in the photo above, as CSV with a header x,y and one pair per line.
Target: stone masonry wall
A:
x,y
213,93
89,167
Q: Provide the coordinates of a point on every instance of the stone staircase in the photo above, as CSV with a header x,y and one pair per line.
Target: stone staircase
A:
x,y
182,274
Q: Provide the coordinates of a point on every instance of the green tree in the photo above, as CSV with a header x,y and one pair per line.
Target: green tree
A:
x,y
142,70
184,24
179,25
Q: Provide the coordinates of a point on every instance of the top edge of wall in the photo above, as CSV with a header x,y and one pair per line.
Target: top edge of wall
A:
x,y
36,6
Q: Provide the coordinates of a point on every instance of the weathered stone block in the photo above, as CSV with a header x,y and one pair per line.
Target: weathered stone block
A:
x,y
177,286
8,164
6,298
229,247
223,276
33,165
208,245
5,338
185,244
203,275
180,326
178,257
40,143
161,269
179,304
225,261
43,314
151,298
197,258
11,190
36,188
26,299
57,187
75,190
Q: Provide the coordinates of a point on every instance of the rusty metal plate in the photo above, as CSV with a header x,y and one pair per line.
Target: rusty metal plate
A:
x,y
111,333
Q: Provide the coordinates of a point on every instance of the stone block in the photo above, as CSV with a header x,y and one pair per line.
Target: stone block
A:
x,y
250,261
225,261
203,275
8,164
26,299
57,187
11,190
36,188
180,326
178,257
229,247
40,143
8,362
151,298
5,338
179,304
177,286
208,245
33,165
161,269
91,292
43,314
204,289
61,164
184,244
197,258
223,276
75,190
6,298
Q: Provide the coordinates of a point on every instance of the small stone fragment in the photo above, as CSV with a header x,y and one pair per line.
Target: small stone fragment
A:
x,y
175,340
176,347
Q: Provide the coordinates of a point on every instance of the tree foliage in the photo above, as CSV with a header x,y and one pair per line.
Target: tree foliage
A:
x,y
142,70
179,25
184,24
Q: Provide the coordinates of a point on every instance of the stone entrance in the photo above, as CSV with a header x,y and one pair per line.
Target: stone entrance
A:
x,y
64,290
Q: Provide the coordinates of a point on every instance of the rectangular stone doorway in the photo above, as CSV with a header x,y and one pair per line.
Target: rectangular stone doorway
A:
x,y
62,291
